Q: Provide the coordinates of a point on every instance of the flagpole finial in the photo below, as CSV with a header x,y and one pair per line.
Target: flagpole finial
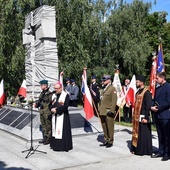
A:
x,y
117,66
154,53
160,39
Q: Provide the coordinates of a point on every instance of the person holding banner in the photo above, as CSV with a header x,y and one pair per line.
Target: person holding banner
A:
x,y
127,108
94,90
61,137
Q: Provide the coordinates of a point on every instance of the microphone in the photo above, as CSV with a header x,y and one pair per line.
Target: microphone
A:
x,y
53,92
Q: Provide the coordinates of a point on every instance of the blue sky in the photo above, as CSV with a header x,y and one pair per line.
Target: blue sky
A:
x,y
161,5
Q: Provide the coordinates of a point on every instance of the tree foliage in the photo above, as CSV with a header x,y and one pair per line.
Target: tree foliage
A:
x,y
90,33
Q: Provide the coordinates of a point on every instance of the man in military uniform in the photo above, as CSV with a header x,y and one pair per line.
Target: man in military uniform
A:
x,y
42,104
107,108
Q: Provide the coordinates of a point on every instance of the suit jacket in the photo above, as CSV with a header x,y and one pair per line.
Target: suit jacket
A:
x,y
68,88
162,100
108,100
74,92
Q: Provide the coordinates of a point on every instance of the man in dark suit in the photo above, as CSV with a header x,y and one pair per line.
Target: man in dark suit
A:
x,y
107,108
161,111
68,86
94,90
74,93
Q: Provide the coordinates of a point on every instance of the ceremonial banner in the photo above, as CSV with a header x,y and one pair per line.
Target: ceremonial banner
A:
x,y
130,94
23,90
160,60
153,76
88,106
120,95
2,94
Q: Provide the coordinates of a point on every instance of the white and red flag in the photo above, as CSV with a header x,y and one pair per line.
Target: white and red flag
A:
x,y
131,92
88,105
2,93
23,89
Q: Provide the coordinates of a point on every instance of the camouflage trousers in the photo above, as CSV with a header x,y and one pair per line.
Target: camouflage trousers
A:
x,y
45,123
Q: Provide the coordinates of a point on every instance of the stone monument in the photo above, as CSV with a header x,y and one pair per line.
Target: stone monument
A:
x,y
39,39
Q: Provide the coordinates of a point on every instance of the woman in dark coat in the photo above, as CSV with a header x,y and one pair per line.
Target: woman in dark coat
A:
x,y
61,138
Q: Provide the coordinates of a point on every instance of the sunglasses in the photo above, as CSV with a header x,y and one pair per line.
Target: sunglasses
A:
x,y
57,88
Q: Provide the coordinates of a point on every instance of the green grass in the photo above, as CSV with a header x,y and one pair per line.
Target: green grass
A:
x,y
130,125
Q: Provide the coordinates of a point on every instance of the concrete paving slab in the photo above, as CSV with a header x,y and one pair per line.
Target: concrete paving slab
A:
x,y
86,154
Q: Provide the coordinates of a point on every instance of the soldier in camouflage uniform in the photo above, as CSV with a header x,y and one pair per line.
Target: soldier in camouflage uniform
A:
x,y
42,104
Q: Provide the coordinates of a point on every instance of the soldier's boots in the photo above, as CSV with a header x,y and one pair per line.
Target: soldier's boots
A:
x,y
41,141
44,141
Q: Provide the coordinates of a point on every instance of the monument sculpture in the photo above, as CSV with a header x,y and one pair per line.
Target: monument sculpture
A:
x,y
39,39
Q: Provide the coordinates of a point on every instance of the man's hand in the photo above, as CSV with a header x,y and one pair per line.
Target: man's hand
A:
x,y
54,110
110,114
144,121
154,108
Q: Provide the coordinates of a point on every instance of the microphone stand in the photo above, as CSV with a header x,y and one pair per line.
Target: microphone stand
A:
x,y
32,150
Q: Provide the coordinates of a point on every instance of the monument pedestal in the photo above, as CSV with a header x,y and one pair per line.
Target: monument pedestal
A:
x,y
17,121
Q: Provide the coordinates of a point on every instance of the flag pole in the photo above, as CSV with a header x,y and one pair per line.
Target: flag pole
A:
x,y
96,112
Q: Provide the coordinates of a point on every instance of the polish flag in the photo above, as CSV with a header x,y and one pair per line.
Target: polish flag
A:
x,y
2,94
23,90
88,106
130,94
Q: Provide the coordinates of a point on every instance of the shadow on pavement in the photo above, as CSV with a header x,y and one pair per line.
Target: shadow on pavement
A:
x,y
3,165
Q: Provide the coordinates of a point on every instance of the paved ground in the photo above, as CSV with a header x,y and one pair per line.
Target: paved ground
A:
x,y
86,154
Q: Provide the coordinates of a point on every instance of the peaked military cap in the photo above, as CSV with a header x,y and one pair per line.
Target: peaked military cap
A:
x,y
72,80
67,79
93,77
106,77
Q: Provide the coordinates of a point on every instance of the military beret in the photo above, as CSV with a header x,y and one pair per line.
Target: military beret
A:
x,y
141,78
43,82
93,77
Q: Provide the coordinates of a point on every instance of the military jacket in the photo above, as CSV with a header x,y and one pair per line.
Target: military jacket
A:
x,y
44,99
108,100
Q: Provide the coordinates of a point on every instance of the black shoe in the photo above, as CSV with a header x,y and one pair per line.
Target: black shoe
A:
x,y
156,155
103,144
46,142
165,158
109,145
41,141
